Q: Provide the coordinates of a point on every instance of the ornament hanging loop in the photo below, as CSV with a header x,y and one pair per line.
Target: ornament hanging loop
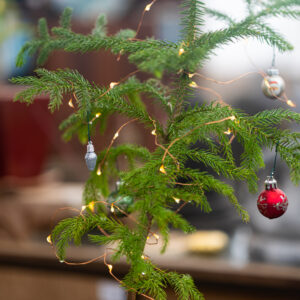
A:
x,y
274,57
275,160
88,125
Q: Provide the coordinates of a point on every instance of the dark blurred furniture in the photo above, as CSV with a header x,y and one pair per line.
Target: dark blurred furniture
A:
x,y
29,263
25,134
34,269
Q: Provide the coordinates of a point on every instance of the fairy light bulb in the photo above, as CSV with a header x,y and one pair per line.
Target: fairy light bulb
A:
x,y
228,132
113,84
99,171
90,156
148,6
110,267
181,51
91,206
98,115
156,236
162,169
193,84
290,103
70,103
177,200
153,132
116,135
49,239
112,209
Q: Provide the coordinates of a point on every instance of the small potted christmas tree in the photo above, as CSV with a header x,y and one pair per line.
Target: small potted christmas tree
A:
x,y
149,189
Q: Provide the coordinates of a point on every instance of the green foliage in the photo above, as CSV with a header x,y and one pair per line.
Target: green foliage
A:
x,y
191,132
100,26
184,286
219,15
68,230
65,20
144,278
164,217
192,19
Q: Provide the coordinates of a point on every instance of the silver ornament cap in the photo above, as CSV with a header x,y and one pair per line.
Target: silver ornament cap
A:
x,y
270,183
90,157
273,85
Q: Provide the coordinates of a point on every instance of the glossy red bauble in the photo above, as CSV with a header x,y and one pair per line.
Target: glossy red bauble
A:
x,y
272,202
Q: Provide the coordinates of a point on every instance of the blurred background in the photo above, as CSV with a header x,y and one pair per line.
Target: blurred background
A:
x,y
40,173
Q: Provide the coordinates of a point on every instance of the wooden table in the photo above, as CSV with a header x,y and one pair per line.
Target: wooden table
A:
x,y
33,266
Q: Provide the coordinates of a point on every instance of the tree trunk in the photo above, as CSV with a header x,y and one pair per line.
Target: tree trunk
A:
x,y
131,296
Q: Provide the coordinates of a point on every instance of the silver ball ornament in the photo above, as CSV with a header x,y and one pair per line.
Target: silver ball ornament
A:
x,y
273,85
90,157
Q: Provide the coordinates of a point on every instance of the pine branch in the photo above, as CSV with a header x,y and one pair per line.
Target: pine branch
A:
x,y
192,19
219,15
68,230
184,286
64,39
100,26
164,218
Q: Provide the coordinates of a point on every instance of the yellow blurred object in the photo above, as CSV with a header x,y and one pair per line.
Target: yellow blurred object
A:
x,y
291,103
113,84
91,206
193,84
181,51
162,169
49,239
2,6
207,242
228,132
177,200
71,103
148,6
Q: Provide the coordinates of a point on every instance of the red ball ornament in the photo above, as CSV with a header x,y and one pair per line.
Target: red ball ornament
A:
x,y
272,202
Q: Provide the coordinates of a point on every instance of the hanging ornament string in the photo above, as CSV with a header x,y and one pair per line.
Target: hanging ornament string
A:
x,y
88,125
275,159
274,57
90,156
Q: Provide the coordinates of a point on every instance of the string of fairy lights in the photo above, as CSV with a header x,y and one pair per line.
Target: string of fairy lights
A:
x,y
193,84
162,169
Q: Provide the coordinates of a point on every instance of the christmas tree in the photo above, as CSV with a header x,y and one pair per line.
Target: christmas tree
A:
x,y
154,180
